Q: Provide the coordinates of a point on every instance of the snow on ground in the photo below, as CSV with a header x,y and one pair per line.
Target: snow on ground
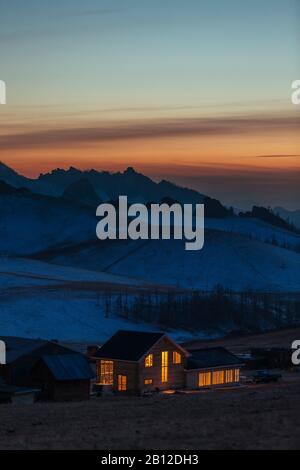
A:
x,y
30,224
227,259
65,315
255,229
38,300
16,272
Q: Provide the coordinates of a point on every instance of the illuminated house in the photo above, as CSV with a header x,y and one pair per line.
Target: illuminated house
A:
x,y
212,367
138,362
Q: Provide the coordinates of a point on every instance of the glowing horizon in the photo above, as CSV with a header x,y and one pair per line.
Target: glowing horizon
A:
x,y
198,93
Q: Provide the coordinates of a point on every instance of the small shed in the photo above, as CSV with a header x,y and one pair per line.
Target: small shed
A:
x,y
63,377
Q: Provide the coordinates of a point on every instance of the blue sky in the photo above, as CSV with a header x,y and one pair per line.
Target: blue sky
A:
x,y
206,68
129,53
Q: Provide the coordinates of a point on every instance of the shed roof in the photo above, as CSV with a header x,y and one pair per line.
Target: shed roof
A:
x,y
128,345
64,367
18,347
212,357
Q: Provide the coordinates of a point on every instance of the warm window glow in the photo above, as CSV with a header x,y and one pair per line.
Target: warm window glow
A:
x,y
122,383
229,376
149,360
148,381
176,358
218,377
164,366
204,379
237,375
106,373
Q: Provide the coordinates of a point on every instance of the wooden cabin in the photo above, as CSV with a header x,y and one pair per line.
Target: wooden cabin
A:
x,y
23,355
138,362
63,377
212,367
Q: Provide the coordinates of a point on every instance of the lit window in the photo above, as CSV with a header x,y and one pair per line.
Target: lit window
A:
x,y
229,376
218,377
204,379
149,360
122,383
105,373
148,381
164,366
237,375
176,358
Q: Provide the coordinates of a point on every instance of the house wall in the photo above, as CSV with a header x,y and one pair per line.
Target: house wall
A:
x,y
129,369
192,377
136,372
176,377
76,390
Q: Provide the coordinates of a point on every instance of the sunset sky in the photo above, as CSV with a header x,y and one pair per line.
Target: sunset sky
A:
x,y
197,92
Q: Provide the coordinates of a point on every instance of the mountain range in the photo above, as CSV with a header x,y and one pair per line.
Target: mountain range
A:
x,y
93,187
53,268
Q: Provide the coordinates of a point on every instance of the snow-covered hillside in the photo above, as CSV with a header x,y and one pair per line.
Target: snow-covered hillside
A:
x,y
53,302
30,223
231,260
256,229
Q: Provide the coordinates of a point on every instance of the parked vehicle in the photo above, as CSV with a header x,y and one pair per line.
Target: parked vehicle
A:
x,y
264,376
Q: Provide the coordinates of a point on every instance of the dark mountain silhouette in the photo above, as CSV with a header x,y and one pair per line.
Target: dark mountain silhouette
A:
x,y
109,186
11,177
292,217
267,215
82,191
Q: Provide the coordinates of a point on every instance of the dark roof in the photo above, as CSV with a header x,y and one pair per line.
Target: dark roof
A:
x,y
68,367
211,357
128,345
18,347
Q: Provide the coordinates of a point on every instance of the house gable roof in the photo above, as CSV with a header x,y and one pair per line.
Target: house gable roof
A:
x,y
128,345
211,357
65,367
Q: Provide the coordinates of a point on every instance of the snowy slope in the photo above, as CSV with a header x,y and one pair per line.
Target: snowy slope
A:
x,y
255,229
16,272
38,300
55,302
29,223
232,260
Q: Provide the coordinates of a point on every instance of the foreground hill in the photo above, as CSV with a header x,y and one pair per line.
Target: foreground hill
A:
x,y
234,261
39,300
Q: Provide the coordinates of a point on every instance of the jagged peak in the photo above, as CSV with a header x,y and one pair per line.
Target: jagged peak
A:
x,y
130,171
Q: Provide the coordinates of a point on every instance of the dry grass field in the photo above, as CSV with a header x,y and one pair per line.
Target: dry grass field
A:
x,y
247,417
255,417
